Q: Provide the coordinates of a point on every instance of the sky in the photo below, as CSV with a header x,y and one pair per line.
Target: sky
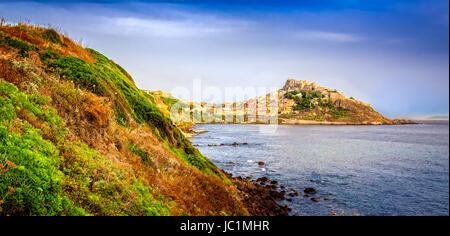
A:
x,y
391,54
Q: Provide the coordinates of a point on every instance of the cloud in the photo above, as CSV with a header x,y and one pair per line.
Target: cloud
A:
x,y
329,36
166,28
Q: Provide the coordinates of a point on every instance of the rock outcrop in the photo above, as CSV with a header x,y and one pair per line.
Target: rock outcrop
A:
x,y
298,102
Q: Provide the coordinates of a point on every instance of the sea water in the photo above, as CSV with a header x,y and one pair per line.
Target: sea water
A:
x,y
363,170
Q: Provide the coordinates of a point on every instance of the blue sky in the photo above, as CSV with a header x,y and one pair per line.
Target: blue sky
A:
x,y
391,54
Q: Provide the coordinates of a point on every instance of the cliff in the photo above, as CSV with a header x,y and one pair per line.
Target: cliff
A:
x,y
302,101
77,137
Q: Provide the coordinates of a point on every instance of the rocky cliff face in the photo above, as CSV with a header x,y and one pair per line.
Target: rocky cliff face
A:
x,y
302,101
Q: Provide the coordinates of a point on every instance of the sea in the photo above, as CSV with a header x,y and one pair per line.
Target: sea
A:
x,y
362,170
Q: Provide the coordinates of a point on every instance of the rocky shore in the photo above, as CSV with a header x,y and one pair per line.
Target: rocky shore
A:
x,y
261,196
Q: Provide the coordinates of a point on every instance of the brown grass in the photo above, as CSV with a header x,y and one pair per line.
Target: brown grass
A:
x,y
89,118
98,109
32,34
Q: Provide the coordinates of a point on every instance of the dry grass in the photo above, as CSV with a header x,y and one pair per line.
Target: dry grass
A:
x,y
99,109
89,119
33,35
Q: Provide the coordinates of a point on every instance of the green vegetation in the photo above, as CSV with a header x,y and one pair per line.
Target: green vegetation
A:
x,y
94,76
306,100
169,101
138,151
52,36
22,46
310,100
95,185
31,181
63,153
80,72
339,112
34,171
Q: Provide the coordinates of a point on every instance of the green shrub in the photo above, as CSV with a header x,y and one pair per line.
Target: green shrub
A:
x,y
52,36
31,182
48,55
95,185
80,72
104,71
339,112
34,187
22,46
138,151
40,177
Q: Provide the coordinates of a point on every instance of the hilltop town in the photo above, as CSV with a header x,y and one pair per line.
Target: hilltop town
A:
x,y
298,102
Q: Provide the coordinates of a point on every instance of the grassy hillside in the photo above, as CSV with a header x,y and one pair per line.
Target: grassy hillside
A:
x,y
77,137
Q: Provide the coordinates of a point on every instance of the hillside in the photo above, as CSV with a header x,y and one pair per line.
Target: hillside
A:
x,y
302,101
77,137
298,102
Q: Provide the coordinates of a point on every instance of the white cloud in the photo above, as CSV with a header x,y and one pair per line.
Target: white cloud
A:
x,y
329,36
177,28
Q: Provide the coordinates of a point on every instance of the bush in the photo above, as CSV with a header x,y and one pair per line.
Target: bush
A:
x,y
52,36
339,112
40,177
30,182
34,186
22,46
80,72
138,151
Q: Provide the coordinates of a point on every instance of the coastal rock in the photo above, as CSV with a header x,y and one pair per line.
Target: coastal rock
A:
x,y
315,199
310,190
402,122
262,180
261,163
260,200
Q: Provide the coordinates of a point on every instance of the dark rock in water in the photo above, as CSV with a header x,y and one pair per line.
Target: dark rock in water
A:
x,y
261,163
282,187
262,180
293,194
235,144
310,190
306,196
315,199
260,200
289,199
326,199
244,143
231,163
222,144
274,182
278,195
